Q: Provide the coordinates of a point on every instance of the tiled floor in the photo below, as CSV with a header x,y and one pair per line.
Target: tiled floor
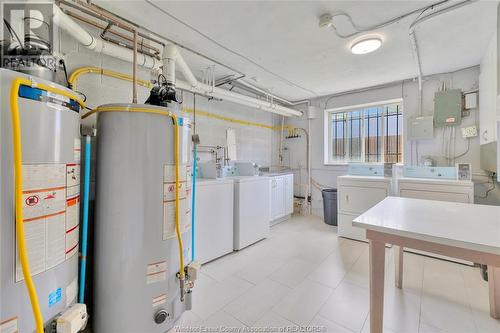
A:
x,y
305,275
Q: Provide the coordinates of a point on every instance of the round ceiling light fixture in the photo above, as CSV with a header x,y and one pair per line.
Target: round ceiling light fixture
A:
x,y
366,45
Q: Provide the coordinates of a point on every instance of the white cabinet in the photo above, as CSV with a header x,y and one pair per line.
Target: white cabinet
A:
x,y
355,195
281,197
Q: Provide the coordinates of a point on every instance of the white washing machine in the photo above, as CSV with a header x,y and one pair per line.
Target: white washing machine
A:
x,y
251,210
214,218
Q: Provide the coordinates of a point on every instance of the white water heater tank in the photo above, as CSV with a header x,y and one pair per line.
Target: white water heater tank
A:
x,y
136,249
50,137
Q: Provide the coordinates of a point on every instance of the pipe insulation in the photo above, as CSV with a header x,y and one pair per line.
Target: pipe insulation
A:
x,y
204,89
194,86
97,44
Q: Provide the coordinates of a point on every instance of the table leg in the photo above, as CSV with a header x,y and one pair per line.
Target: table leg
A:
x,y
377,267
398,261
494,284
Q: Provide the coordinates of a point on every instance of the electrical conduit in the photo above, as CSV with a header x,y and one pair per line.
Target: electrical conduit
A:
x,y
193,201
18,189
86,191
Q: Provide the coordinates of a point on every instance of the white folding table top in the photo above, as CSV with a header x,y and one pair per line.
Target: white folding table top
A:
x,y
469,226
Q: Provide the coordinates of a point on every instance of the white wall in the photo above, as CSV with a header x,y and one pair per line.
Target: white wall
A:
x,y
253,143
466,80
488,97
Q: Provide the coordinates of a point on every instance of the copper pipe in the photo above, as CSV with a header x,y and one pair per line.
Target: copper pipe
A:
x,y
114,32
134,71
93,14
130,47
105,14
158,39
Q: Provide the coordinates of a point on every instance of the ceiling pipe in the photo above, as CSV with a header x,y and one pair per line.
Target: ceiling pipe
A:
x,y
153,50
250,87
171,57
97,44
238,98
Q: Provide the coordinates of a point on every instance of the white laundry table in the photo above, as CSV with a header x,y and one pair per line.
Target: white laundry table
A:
x,y
465,231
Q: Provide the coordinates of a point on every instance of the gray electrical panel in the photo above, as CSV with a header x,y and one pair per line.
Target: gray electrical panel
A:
x,y
448,108
421,128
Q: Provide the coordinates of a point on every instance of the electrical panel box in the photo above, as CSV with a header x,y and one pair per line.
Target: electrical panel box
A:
x,y
448,108
421,128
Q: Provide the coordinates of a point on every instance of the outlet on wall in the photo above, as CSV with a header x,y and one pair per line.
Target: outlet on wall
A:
x,y
469,132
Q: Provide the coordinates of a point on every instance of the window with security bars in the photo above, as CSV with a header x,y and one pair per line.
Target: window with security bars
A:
x,y
369,134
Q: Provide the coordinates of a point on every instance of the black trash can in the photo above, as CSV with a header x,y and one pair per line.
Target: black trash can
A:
x,y
330,205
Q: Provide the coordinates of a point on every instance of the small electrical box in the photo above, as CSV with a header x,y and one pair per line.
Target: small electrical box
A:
x,y
421,128
73,320
448,108
464,171
470,101
193,270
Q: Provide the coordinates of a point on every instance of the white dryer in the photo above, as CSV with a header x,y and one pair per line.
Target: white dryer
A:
x,y
251,210
440,190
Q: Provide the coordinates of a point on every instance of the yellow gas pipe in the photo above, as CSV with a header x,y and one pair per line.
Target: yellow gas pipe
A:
x,y
106,72
121,76
18,188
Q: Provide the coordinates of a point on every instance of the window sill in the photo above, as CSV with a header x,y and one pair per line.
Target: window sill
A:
x,y
337,164
363,163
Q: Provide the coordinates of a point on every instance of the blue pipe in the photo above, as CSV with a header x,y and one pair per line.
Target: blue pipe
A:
x,y
86,190
193,200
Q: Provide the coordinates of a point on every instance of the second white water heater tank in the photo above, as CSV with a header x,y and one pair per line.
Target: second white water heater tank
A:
x,y
136,249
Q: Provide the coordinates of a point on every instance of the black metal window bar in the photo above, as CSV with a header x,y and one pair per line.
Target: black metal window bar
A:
x,y
373,128
377,129
393,139
338,136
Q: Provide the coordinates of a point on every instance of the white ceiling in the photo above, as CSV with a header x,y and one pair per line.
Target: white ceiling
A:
x,y
289,54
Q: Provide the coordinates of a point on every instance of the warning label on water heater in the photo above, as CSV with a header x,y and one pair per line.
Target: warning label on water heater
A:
x,y
159,300
9,325
169,207
51,198
156,272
